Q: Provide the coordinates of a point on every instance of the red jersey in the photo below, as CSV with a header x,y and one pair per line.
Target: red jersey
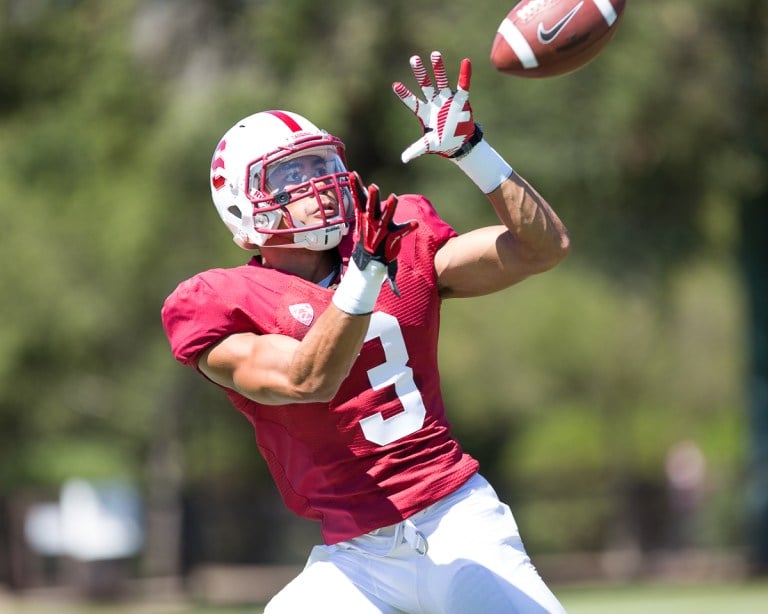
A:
x,y
381,450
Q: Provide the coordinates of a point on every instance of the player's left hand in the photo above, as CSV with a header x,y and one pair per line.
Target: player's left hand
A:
x,y
377,236
445,114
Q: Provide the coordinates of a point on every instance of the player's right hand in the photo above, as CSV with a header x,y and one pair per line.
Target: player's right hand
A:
x,y
377,236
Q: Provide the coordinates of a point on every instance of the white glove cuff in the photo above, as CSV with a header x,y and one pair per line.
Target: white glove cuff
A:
x,y
485,167
358,290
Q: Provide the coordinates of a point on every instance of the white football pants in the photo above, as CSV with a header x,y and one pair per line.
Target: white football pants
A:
x,y
461,555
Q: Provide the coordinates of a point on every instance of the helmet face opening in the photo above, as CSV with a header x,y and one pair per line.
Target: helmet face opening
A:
x,y
303,170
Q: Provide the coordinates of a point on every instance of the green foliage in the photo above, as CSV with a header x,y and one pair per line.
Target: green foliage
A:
x,y
581,383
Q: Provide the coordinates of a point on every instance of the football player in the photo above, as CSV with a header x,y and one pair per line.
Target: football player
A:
x,y
326,341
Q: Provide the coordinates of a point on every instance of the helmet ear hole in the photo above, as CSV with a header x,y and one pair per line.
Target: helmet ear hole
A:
x,y
282,198
235,210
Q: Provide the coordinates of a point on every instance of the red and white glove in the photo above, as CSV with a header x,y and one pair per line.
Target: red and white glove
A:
x,y
449,128
374,258
445,115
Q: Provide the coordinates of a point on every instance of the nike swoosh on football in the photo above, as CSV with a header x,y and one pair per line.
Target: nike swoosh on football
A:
x,y
547,35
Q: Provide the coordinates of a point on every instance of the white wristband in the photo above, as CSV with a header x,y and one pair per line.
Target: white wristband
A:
x,y
485,167
358,290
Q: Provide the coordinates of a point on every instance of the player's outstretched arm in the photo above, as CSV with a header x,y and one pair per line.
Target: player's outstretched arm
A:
x,y
532,238
277,369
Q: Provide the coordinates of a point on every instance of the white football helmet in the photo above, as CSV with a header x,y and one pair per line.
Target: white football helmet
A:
x,y
251,183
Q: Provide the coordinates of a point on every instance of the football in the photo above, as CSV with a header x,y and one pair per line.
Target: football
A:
x,y
546,38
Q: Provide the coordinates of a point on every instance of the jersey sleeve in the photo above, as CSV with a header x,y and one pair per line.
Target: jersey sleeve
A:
x,y
196,315
432,232
422,209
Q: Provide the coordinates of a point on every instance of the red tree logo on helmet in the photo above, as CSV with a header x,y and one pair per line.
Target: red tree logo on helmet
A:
x,y
217,179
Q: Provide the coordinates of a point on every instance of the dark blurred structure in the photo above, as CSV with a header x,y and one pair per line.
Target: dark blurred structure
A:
x,y
748,39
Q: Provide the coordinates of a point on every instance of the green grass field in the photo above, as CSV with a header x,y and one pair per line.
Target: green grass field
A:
x,y
634,599
667,599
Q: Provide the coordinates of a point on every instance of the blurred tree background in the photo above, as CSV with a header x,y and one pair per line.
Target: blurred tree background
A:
x,y
618,402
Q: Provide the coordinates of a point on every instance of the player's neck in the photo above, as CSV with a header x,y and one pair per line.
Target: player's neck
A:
x,y
307,264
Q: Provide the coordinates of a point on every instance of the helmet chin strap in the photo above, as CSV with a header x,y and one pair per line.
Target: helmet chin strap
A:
x,y
321,239
318,240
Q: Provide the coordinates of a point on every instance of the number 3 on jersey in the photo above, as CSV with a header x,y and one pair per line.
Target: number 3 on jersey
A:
x,y
394,371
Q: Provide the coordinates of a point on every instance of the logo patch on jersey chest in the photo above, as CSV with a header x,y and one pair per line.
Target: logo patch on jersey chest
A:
x,y
302,312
